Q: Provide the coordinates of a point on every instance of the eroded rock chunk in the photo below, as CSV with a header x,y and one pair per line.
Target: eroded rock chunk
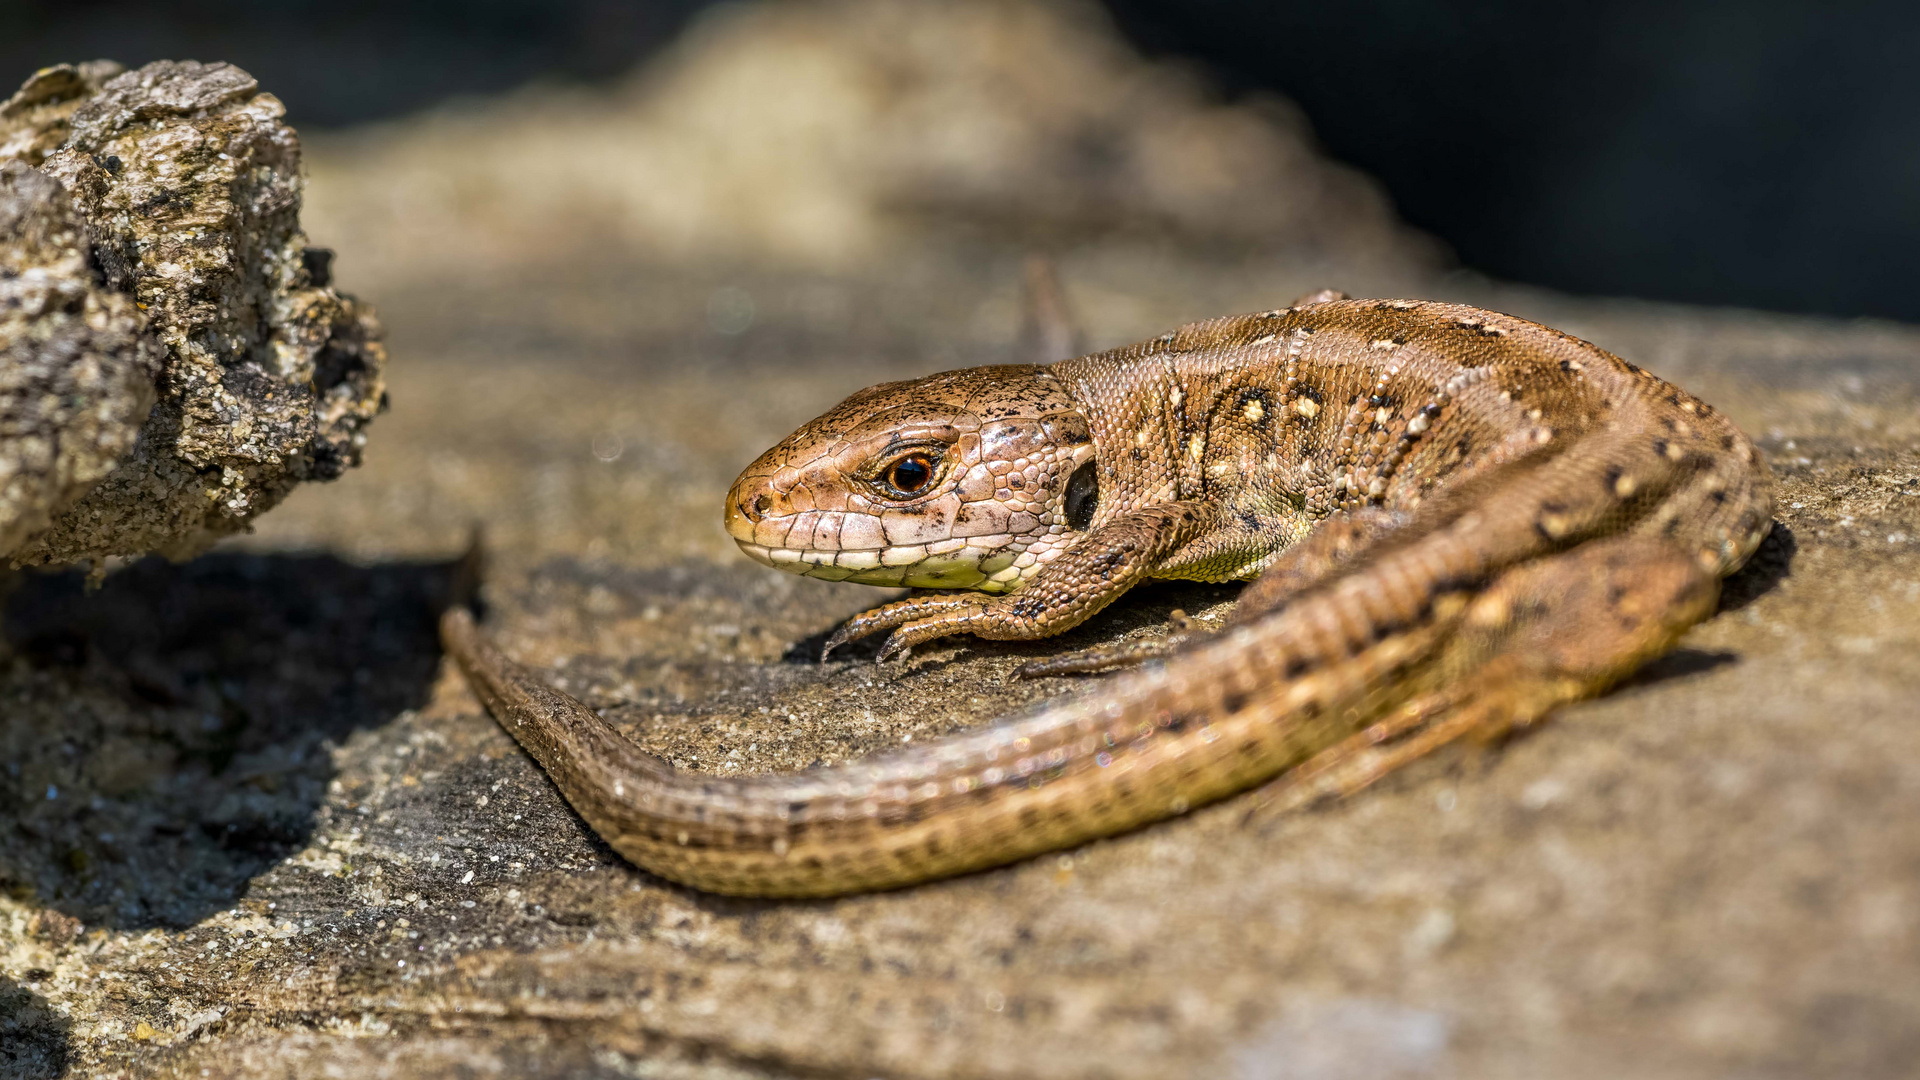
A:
x,y
181,187
76,373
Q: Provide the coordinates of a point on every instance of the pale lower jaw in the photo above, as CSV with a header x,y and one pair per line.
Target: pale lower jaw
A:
x,y
928,573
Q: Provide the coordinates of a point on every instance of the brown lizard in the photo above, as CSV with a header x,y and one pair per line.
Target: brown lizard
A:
x,y
1454,520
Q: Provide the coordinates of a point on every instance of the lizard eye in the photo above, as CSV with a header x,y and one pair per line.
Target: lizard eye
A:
x,y
912,473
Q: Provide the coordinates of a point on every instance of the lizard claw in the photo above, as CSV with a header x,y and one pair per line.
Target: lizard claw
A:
x,y
895,646
847,633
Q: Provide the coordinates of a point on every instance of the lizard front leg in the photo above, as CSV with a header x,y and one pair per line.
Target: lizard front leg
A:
x,y
1320,557
1112,558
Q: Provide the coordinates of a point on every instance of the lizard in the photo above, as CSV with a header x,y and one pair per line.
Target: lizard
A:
x,y
1453,521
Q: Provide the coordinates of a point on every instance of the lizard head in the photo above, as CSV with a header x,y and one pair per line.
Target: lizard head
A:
x,y
963,480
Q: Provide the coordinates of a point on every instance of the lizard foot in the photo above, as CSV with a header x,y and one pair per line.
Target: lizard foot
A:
x,y
913,620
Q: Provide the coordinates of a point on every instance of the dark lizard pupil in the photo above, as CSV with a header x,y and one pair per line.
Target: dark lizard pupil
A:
x,y
910,474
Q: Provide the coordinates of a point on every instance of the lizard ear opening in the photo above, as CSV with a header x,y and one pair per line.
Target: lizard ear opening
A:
x,y
1083,497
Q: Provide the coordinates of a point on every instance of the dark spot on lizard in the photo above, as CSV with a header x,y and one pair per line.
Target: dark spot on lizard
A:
x,y
1614,473
1234,701
1083,497
1660,447
1717,495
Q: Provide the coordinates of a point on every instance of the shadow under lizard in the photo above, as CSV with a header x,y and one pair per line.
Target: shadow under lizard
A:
x,y
1454,521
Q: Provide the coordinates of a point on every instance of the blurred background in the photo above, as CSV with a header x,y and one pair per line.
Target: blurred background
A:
x,y
1762,153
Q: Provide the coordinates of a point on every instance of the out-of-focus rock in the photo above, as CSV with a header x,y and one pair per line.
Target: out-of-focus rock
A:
x,y
184,182
834,133
35,121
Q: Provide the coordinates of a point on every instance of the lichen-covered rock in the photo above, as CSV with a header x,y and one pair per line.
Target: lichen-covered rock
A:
x,y
76,373
188,182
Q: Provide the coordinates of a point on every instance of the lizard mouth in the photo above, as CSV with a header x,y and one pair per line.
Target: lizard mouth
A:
x,y
911,567
811,546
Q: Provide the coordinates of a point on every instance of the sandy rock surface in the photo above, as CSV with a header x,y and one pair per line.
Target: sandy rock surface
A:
x,y
180,185
258,829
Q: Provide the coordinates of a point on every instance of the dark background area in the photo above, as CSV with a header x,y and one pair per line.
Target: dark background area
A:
x,y
1762,153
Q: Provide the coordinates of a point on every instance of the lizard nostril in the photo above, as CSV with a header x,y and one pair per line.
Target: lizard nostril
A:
x,y
762,504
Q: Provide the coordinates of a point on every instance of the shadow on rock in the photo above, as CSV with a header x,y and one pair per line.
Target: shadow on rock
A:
x,y
166,736
33,1038
1771,563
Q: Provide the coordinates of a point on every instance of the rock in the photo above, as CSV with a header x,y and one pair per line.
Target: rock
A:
x,y
76,371
187,181
887,123
34,121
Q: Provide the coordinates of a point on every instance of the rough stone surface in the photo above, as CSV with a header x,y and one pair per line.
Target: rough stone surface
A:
x,y
76,373
256,829
188,182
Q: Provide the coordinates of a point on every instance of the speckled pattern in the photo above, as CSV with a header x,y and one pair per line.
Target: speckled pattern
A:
x,y
76,372
1222,443
1513,519
261,376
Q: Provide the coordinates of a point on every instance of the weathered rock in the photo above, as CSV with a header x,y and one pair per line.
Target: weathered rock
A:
x,y
188,183
35,121
76,372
